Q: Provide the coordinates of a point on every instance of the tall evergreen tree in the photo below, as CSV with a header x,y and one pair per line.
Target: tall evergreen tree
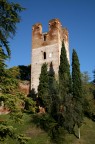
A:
x,y
76,76
43,87
53,92
64,73
77,90
65,89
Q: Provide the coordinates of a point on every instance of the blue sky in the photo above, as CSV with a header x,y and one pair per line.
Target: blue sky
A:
x,y
77,15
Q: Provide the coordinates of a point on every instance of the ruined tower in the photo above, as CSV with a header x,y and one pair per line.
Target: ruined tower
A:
x,y
46,47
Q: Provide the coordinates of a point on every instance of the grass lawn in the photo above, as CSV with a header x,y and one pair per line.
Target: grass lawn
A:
x,y
38,136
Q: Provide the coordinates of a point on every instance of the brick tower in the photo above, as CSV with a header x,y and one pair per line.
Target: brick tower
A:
x,y
46,47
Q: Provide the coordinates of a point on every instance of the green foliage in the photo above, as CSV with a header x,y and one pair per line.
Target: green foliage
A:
x,y
27,129
27,103
76,77
6,131
20,72
9,85
3,57
89,102
13,105
65,91
68,114
33,94
9,17
25,72
78,99
53,93
89,96
52,120
48,89
67,103
16,104
43,87
47,123
14,72
11,77
30,105
22,139
64,73
38,136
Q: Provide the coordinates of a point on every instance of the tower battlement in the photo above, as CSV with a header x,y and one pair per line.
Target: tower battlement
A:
x,y
55,34
54,24
46,47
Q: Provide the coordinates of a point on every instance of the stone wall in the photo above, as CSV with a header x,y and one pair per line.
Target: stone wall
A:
x,y
52,55
24,87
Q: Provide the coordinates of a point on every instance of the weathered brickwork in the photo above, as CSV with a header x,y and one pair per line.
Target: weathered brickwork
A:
x,y
46,47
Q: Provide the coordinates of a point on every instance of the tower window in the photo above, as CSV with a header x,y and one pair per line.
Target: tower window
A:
x,y
44,55
44,37
37,27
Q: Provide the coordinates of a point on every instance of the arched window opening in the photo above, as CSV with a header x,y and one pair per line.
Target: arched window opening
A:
x,y
44,55
44,37
37,27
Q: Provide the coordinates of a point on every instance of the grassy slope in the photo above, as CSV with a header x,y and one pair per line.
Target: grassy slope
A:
x,y
40,137
87,134
29,129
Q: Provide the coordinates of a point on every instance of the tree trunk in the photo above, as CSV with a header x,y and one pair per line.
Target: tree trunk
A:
x,y
79,132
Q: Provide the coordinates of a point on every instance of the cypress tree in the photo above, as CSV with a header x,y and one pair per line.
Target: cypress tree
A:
x,y
43,87
53,92
65,90
77,90
64,73
76,77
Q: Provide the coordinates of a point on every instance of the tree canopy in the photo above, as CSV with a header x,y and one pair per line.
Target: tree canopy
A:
x,y
43,86
64,73
9,17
